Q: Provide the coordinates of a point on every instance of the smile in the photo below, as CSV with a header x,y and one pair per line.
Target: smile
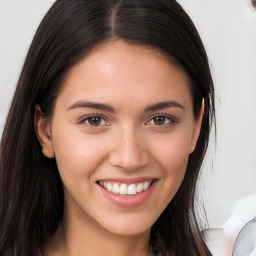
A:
x,y
126,189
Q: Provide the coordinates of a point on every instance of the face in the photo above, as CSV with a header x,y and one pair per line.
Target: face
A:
x,y
122,131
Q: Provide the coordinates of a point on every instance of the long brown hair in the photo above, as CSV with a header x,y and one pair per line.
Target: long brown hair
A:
x,y
31,193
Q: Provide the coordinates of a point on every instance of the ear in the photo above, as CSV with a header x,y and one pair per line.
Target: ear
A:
x,y
197,128
43,132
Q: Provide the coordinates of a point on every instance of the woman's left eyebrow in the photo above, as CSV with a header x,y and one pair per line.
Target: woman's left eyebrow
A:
x,y
163,105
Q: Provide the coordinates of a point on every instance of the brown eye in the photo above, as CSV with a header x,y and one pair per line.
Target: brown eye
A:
x,y
160,120
95,121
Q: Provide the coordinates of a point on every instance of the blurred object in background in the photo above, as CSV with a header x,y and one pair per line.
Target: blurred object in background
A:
x,y
254,3
245,244
238,234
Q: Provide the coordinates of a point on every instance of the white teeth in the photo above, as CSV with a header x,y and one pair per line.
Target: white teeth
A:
x,y
124,189
109,186
139,188
145,185
115,189
132,189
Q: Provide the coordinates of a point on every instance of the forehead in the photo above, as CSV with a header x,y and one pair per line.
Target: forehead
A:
x,y
119,70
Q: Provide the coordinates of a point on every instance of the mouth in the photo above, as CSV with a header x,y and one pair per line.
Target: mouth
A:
x,y
124,189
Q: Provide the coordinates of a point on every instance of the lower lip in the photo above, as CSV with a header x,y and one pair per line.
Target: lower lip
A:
x,y
128,201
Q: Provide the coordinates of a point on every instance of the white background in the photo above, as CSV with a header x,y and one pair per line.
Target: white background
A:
x,y
228,29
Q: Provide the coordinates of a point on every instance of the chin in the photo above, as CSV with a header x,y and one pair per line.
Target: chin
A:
x,y
135,231
129,227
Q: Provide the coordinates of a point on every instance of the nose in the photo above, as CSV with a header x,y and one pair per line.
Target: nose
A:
x,y
129,150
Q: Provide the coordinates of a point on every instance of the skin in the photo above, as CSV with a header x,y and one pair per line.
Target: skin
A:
x,y
127,144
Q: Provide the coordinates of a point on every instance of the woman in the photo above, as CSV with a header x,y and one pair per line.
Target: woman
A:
x,y
106,133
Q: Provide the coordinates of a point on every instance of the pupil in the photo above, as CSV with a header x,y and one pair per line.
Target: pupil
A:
x,y
159,120
94,120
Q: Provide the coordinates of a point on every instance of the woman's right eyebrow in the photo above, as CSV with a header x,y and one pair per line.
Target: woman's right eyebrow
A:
x,y
90,104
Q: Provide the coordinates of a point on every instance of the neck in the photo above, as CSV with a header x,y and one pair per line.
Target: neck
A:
x,y
75,237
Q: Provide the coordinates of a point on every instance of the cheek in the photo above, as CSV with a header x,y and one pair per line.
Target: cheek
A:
x,y
172,151
173,160
77,153
172,155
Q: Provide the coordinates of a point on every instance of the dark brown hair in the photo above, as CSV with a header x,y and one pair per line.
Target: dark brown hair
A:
x,y
31,193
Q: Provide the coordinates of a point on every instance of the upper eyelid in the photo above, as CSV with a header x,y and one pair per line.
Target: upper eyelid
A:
x,y
85,117
172,118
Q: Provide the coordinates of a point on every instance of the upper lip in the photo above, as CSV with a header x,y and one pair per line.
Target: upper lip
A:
x,y
128,180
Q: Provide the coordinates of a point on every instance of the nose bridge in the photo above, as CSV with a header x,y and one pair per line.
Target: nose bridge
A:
x,y
129,151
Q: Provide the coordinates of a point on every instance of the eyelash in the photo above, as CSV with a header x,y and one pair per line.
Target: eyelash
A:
x,y
101,118
168,120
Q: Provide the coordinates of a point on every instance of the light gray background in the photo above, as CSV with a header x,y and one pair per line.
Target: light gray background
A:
x,y
228,29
